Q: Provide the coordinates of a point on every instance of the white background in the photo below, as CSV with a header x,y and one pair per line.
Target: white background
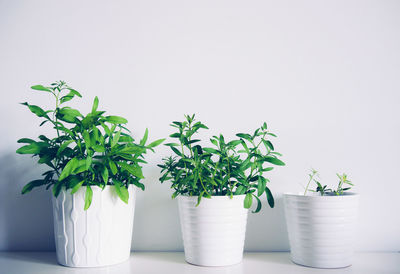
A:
x,y
323,74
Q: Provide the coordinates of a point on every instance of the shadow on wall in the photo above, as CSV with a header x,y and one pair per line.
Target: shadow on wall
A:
x,y
266,230
26,221
156,224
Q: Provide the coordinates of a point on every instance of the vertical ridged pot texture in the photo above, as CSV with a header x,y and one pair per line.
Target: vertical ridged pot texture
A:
x,y
321,229
99,236
214,231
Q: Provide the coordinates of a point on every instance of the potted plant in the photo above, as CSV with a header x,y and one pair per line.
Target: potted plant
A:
x,y
215,187
94,164
321,224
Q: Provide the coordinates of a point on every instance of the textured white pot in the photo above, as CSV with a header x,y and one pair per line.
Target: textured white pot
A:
x,y
99,236
321,229
213,232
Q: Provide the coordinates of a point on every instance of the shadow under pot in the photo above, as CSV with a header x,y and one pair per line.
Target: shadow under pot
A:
x,y
321,229
214,231
99,236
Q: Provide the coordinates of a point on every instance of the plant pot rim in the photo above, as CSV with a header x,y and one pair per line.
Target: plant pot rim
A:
x,y
343,196
95,188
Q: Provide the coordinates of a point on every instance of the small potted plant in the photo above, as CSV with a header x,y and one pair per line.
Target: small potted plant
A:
x,y
215,187
321,224
94,164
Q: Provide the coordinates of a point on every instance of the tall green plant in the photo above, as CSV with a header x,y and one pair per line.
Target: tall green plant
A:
x,y
229,168
88,150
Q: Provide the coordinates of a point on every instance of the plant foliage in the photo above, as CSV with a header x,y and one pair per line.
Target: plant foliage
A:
x,y
323,190
88,150
235,167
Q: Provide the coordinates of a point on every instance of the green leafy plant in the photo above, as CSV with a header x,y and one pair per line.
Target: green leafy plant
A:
x,y
91,150
323,190
235,167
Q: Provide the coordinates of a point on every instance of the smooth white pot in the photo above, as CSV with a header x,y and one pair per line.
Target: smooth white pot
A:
x,y
99,236
213,232
321,229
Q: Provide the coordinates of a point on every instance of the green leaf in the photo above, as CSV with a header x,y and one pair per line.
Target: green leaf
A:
x,y
26,140
200,125
176,151
57,188
139,185
46,158
95,104
259,205
215,142
273,160
244,136
77,187
172,144
86,137
106,128
115,138
245,146
175,135
98,148
121,191
264,126
67,98
245,164
29,186
104,174
144,139
240,190
88,161
88,197
75,92
113,167
68,169
211,150
134,170
40,87
267,169
131,150
268,144
63,147
80,167
234,143
67,111
156,143
36,110
248,200
32,148
270,198
116,120
261,186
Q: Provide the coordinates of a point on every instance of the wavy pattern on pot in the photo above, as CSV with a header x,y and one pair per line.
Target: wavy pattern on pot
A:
x,y
98,236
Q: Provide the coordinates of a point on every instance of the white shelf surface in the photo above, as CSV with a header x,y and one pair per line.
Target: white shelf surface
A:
x,y
174,262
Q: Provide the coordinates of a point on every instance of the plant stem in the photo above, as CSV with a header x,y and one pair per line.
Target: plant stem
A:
x,y
309,181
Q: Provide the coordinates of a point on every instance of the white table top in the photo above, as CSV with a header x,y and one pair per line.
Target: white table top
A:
x,y
174,262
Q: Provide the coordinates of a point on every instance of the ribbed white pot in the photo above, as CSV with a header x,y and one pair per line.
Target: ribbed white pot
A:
x,y
321,229
99,236
214,231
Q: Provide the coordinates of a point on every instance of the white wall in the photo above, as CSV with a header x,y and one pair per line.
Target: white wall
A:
x,y
323,74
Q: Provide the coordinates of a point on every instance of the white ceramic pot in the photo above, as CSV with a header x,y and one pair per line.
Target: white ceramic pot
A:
x,y
214,231
321,229
99,236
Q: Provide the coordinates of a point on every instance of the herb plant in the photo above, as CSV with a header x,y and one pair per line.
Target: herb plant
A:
x,y
323,190
87,151
234,167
